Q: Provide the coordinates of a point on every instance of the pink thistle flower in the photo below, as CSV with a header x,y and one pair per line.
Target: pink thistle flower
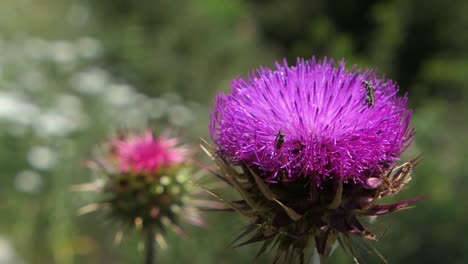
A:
x,y
146,153
146,182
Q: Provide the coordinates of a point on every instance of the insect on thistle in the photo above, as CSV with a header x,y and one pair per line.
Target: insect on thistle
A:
x,y
370,99
279,140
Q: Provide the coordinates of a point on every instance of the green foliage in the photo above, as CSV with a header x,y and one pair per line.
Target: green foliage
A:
x,y
189,47
62,91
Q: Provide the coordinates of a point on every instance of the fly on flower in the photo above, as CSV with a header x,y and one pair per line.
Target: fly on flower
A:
x,y
279,140
341,160
370,91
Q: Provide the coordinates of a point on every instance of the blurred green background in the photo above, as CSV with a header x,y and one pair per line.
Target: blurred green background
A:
x,y
71,71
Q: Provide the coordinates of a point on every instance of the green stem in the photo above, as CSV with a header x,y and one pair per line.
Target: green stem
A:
x,y
315,258
150,249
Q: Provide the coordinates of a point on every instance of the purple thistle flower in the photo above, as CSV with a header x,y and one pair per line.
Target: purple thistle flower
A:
x,y
312,121
311,149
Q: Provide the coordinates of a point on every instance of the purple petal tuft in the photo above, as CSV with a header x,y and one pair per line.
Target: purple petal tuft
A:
x,y
312,120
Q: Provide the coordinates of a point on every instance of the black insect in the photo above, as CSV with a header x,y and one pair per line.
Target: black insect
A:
x,y
370,90
279,140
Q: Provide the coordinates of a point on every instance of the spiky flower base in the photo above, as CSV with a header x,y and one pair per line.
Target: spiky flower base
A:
x,y
145,200
293,217
148,202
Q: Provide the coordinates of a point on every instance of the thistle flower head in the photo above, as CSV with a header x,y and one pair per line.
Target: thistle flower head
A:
x,y
145,153
145,182
311,149
312,120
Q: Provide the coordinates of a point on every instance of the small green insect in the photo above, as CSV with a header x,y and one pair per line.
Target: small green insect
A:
x,y
279,140
370,90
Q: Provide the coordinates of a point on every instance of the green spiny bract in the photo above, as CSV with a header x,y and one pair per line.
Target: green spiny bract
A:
x,y
295,217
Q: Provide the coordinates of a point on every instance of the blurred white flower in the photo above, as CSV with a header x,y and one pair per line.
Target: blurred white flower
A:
x,y
62,52
15,109
91,82
69,103
71,106
180,115
28,181
120,95
7,253
41,157
53,123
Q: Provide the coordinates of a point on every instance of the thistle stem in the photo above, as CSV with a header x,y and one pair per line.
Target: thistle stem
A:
x,y
150,249
315,258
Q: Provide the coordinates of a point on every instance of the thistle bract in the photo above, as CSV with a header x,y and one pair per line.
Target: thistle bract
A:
x,y
144,183
317,147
